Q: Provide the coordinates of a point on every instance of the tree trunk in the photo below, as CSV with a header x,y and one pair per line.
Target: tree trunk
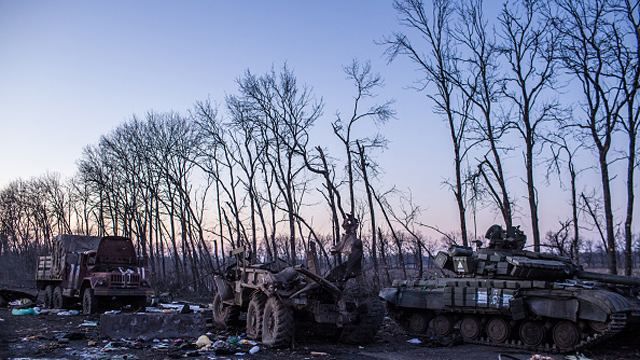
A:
x,y
628,235
374,255
608,211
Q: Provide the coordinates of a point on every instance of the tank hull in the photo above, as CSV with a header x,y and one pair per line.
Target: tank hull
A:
x,y
560,316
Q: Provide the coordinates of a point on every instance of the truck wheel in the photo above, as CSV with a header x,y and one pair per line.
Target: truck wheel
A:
x,y
89,302
255,313
370,315
48,297
277,323
223,315
57,298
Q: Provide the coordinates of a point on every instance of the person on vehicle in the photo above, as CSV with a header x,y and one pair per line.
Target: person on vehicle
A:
x,y
350,245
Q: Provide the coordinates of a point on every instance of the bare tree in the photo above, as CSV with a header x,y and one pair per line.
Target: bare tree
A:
x,y
439,67
587,31
563,155
626,52
366,83
529,44
482,85
286,112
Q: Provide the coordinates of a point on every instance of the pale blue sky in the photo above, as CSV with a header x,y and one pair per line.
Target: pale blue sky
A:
x,y
71,71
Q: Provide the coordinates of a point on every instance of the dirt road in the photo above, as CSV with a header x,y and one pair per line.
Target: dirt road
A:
x,y
64,337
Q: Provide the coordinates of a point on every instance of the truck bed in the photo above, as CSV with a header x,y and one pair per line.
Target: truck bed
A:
x,y
44,272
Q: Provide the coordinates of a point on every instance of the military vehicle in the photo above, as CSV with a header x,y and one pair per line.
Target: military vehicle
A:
x,y
97,271
505,295
277,298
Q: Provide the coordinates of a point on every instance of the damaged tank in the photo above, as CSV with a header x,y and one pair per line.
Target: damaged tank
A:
x,y
504,295
277,298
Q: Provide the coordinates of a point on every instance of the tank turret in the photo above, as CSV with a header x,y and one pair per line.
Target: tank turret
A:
x,y
503,294
505,258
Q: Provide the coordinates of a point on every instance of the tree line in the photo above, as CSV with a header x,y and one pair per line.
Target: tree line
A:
x,y
189,187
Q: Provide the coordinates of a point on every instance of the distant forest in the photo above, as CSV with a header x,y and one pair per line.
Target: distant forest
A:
x,y
190,187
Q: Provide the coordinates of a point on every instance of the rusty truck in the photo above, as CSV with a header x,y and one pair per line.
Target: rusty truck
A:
x,y
97,271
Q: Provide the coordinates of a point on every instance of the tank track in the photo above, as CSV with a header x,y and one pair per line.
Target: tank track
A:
x,y
617,323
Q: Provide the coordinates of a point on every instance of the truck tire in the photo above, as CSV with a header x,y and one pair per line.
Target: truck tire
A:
x,y
57,300
89,302
368,321
277,323
48,297
255,313
223,314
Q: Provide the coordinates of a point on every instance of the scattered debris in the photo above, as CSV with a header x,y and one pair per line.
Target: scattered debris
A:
x,y
124,357
161,346
233,340
74,335
254,350
113,346
203,341
148,326
247,342
576,356
414,341
27,311
87,323
319,353
68,313
9,297
540,357
221,347
49,311
112,312
21,303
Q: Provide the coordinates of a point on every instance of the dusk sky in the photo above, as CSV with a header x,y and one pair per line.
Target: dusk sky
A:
x,y
72,71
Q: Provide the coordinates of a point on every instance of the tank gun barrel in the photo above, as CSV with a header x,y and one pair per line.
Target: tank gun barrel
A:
x,y
607,278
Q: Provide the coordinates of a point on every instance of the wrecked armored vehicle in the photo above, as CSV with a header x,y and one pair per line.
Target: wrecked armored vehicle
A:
x,y
504,295
98,271
277,298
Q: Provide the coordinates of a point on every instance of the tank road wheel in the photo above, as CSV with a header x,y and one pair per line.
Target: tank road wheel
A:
x,y
48,297
532,333
566,335
277,323
498,330
255,312
223,314
89,302
442,325
417,323
599,326
57,300
470,328
370,315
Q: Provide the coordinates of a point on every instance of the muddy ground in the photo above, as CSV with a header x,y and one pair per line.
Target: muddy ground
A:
x,y
43,336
